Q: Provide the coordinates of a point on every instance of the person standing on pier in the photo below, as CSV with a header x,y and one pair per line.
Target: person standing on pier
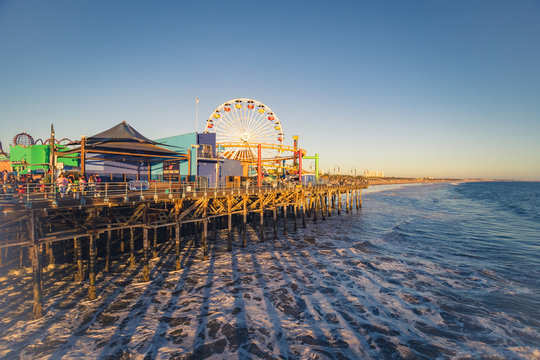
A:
x,y
82,184
97,181
62,185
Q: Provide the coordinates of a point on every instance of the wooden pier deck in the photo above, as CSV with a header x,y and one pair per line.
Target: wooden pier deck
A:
x,y
110,217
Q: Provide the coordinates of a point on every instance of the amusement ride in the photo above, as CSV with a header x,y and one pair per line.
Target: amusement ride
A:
x,y
249,131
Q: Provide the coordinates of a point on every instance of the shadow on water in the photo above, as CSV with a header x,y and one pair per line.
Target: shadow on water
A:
x,y
123,334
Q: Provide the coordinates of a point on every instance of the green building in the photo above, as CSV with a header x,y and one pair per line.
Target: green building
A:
x,y
35,158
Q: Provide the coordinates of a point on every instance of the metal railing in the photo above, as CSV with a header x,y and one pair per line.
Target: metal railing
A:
x,y
28,193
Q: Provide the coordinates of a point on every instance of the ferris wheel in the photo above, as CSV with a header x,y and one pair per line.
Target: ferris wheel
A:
x,y
241,124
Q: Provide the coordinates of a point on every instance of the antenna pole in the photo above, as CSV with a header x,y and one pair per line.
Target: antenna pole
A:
x,y
196,114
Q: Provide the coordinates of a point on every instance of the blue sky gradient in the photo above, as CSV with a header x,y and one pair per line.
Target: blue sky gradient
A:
x,y
411,88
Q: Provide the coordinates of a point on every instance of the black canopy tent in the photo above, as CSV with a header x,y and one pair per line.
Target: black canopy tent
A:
x,y
123,144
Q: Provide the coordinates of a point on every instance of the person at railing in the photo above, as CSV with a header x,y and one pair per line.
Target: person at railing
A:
x,y
11,184
3,181
71,186
21,190
97,181
41,185
91,186
82,184
62,184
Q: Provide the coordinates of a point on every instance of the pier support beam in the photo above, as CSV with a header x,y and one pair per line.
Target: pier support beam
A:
x,y
295,213
37,311
196,235
323,207
284,207
229,224
122,244
177,245
77,248
154,247
274,212
261,223
204,232
314,206
131,248
91,267
303,211
108,250
244,224
328,204
146,264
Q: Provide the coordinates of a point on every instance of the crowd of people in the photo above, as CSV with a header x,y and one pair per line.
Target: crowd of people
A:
x,y
78,185
18,184
13,184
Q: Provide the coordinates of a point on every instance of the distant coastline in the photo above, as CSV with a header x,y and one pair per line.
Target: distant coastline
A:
x,y
392,181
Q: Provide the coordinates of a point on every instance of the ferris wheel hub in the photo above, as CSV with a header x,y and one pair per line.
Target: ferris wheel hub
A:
x,y
245,137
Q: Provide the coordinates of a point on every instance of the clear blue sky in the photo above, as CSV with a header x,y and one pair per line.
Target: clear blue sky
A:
x,y
411,88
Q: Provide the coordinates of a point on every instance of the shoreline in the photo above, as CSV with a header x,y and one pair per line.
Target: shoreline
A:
x,y
414,181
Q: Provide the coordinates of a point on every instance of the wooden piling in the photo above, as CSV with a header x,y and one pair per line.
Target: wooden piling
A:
x,y
177,244
284,207
146,263
79,275
204,232
303,211
229,224
131,248
91,268
244,224
122,245
295,226
261,220
323,207
196,235
328,205
154,246
37,311
314,205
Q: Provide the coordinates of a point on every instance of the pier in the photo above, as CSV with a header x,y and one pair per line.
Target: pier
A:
x,y
91,225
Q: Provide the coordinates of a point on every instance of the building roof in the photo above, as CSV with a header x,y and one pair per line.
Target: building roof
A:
x,y
122,132
123,140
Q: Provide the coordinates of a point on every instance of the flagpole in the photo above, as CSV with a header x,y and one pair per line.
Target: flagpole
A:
x,y
196,114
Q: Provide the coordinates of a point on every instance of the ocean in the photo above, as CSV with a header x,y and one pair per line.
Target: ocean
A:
x,y
467,264
427,271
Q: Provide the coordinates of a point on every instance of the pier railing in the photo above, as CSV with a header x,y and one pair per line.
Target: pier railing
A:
x,y
27,193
